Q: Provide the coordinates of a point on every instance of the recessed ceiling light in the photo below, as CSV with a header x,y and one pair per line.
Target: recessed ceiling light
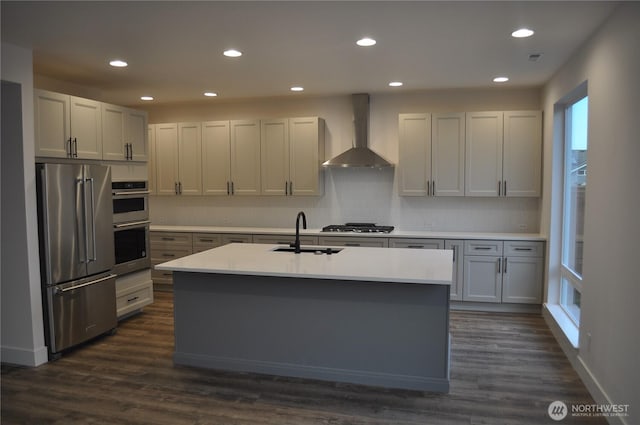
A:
x,y
366,42
232,53
210,94
396,84
118,63
297,88
501,79
146,97
522,33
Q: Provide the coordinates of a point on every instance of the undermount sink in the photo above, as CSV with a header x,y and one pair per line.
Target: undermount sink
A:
x,y
310,250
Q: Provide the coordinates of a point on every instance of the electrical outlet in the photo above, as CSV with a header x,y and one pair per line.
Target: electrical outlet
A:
x,y
588,342
523,227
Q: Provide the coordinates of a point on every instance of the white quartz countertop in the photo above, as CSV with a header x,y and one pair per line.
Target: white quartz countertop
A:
x,y
398,265
318,232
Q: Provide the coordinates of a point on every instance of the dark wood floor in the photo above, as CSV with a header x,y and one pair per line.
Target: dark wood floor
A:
x,y
506,369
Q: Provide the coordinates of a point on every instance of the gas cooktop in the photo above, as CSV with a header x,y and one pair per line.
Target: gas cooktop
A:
x,y
358,228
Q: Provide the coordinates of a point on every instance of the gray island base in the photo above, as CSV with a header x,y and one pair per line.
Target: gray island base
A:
x,y
377,333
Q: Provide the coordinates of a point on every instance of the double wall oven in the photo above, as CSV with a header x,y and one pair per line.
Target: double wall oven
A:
x,y
131,226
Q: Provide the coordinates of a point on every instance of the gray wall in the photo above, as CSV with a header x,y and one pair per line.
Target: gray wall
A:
x,y
610,63
22,328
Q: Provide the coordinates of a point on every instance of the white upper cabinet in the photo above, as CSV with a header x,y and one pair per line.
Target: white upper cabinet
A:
x,y
245,157
124,134
151,144
274,148
483,172
503,153
306,154
166,159
189,159
114,146
136,134
522,155
431,154
216,156
291,153
67,126
447,154
414,154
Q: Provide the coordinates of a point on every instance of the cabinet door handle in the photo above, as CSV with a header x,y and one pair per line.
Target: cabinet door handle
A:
x,y
499,187
233,192
131,151
454,253
168,255
75,147
291,188
175,187
505,265
132,299
481,248
228,188
499,265
166,238
428,187
523,249
504,188
180,188
206,240
70,149
433,188
415,246
235,241
351,244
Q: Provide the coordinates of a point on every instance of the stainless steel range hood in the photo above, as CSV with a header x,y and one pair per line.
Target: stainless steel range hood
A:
x,y
360,155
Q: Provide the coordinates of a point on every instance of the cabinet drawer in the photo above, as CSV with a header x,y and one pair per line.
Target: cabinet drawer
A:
x,y
170,239
133,300
482,247
523,249
417,243
205,241
167,254
351,241
235,238
162,276
284,239
125,283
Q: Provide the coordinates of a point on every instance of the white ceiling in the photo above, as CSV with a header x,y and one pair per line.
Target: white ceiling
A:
x,y
174,48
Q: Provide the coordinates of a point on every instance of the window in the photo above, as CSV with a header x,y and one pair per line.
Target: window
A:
x,y
575,185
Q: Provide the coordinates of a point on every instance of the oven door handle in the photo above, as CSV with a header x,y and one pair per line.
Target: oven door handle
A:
x,y
132,224
133,192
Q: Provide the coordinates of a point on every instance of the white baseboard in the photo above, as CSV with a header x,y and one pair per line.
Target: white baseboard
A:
x,y
24,357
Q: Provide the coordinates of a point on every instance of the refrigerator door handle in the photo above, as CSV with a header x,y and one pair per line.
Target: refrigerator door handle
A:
x,y
93,221
83,219
82,285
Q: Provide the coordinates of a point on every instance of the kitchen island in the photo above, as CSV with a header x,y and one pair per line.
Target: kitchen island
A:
x,y
362,315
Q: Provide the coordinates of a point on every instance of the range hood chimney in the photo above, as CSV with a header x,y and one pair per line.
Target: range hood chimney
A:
x,y
360,155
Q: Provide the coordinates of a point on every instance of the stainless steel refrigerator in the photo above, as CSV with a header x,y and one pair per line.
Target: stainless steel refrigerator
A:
x,y
75,226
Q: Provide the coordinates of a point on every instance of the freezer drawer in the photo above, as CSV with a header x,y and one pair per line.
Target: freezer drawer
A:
x,y
81,310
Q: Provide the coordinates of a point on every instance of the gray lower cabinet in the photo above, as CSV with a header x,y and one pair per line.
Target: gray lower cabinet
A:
x,y
507,272
490,271
167,246
353,241
206,241
455,245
